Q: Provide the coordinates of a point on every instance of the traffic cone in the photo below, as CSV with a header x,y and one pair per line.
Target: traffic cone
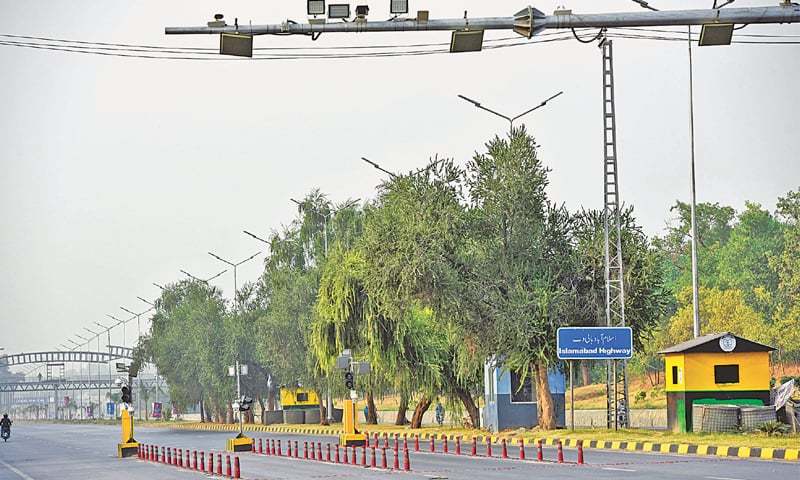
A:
x,y
372,460
521,450
433,445
505,449
474,446
458,445
280,449
219,464
260,447
346,452
580,452
416,442
489,446
296,449
446,447
194,458
396,464
383,459
363,455
202,461
396,441
236,471
385,440
406,460
305,450
376,440
180,457
211,463
328,459
539,454
228,466
560,452
337,454
169,456
272,447
319,451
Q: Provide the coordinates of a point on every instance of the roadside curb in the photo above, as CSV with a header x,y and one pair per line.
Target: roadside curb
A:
x,y
763,453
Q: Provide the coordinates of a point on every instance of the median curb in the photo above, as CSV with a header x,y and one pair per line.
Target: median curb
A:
x,y
763,453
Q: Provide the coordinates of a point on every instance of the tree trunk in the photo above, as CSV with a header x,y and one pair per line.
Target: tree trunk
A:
x,y
586,378
372,412
202,411
547,411
271,399
401,410
422,407
261,404
323,411
469,404
228,413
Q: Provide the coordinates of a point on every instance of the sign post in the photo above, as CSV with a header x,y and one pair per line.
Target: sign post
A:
x,y
592,343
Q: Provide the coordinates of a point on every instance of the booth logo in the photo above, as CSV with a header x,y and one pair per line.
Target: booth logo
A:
x,y
727,343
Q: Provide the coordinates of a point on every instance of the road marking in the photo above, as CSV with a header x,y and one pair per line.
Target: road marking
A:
x,y
723,478
619,469
21,475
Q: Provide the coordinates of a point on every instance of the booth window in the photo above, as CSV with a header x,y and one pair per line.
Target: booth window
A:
x,y
674,375
302,397
521,392
726,373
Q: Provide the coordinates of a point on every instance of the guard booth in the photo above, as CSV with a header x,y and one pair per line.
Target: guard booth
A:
x,y
719,368
510,402
298,398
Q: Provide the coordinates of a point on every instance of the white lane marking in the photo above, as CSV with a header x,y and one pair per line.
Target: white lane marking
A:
x,y
619,469
723,478
21,475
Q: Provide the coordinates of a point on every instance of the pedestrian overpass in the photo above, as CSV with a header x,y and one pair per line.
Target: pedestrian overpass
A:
x,y
71,356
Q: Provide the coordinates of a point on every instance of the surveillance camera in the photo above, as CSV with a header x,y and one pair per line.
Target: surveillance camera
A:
x,y
218,16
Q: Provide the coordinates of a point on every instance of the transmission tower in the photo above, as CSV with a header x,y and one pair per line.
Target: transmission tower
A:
x,y
616,378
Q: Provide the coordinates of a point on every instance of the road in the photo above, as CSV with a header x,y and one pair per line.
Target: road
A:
x,y
81,452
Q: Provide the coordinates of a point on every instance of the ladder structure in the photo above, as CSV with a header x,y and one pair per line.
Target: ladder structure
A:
x,y
617,381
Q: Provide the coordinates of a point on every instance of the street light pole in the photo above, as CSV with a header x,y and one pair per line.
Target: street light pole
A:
x,y
695,282
235,266
510,120
198,279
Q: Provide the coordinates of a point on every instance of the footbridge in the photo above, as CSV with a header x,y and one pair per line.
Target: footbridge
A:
x,y
71,356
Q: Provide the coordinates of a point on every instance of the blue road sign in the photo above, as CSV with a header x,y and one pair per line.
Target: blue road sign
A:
x,y
594,343
110,408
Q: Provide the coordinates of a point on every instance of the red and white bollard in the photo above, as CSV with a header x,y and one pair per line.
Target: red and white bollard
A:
x,y
296,449
560,452
338,460
521,449
505,449
328,458
202,461
363,455
416,442
458,445
279,449
383,459
305,450
445,446
474,446
433,445
211,463
396,464
236,472
372,462
539,454
194,458
488,446
406,460
580,452
385,440
228,466
260,447
219,464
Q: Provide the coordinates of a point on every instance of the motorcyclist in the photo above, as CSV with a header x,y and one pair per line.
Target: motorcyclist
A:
x,y
5,423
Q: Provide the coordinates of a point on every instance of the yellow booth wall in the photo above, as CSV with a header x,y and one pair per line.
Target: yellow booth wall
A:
x,y
696,371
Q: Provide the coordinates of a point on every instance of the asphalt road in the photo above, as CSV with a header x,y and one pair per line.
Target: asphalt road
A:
x,y
73,452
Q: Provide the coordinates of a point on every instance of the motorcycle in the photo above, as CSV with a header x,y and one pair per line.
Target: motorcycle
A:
x,y
6,433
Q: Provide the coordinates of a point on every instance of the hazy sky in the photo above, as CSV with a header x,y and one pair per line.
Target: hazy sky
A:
x,y
119,172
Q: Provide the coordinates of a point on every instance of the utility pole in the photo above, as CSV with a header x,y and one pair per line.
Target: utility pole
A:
x,y
695,280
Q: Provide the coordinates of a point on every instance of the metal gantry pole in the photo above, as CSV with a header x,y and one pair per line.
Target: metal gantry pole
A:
x,y
612,233
526,22
695,280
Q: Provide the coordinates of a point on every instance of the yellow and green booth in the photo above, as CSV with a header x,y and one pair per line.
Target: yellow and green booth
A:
x,y
719,368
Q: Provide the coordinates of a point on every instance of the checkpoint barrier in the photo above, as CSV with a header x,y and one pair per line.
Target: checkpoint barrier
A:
x,y
192,461
364,456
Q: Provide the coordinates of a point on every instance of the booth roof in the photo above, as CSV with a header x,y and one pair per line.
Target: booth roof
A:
x,y
709,343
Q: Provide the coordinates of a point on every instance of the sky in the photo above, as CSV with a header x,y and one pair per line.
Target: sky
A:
x,y
116,173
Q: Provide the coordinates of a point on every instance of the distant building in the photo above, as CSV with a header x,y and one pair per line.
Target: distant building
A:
x,y
510,402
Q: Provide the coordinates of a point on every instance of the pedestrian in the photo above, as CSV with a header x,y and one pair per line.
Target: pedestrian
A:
x,y
366,414
439,413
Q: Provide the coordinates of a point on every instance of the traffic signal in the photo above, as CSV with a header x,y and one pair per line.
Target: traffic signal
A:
x,y
245,403
126,394
348,381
